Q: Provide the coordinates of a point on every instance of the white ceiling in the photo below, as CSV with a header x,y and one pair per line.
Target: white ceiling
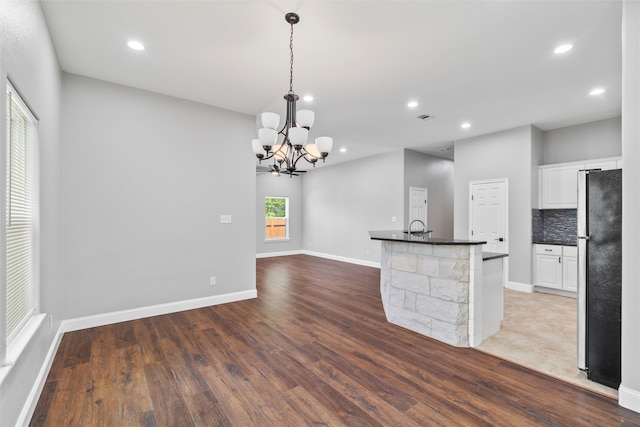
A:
x,y
490,63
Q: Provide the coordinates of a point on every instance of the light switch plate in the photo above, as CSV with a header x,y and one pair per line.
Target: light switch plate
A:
x,y
225,219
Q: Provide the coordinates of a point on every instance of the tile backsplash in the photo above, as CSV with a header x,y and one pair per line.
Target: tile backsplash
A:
x,y
554,225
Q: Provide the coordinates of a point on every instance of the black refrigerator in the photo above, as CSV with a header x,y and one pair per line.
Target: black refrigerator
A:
x,y
599,221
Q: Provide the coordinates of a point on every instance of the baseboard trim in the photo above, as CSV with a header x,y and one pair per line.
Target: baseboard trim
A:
x,y
522,287
32,400
343,259
629,398
274,254
153,310
559,292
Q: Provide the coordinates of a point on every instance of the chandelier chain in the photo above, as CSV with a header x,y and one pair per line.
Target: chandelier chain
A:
x,y
291,61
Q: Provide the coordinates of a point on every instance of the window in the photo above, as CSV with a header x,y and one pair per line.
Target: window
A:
x,y
276,213
20,219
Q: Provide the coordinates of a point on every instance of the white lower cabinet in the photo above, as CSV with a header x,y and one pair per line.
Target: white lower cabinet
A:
x,y
556,267
570,268
549,266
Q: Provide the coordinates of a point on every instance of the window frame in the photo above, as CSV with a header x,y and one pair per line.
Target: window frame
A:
x,y
286,218
14,343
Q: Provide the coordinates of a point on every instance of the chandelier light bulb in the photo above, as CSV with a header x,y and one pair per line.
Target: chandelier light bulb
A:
x,y
257,148
313,154
298,136
270,120
324,144
267,137
305,118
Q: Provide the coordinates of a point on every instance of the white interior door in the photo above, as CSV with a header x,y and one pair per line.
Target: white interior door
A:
x,y
418,207
489,214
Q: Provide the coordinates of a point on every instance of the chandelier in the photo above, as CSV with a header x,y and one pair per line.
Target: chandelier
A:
x,y
293,146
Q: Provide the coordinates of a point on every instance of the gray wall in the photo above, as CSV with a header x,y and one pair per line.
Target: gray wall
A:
x,y
27,57
436,175
344,201
629,391
587,141
506,154
145,185
279,186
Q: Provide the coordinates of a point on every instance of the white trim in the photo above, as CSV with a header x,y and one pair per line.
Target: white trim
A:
x,y
343,259
522,287
274,254
32,399
153,310
629,398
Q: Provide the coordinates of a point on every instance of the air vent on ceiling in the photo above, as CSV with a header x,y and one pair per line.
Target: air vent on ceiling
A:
x,y
425,117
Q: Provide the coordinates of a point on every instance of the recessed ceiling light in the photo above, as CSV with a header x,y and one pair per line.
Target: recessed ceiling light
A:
x,y
135,45
465,125
563,48
412,104
343,150
308,98
597,91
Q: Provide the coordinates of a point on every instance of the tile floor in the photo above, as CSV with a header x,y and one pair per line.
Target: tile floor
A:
x,y
539,331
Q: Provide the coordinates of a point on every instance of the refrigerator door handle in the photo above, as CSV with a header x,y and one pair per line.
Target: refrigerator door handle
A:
x,y
583,240
582,305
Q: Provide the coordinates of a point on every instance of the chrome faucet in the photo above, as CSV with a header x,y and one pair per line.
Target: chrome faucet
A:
x,y
424,227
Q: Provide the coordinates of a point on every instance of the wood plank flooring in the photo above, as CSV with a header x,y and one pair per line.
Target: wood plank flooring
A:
x,y
313,349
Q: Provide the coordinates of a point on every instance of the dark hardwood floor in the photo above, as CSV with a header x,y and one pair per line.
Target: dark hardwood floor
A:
x,y
313,349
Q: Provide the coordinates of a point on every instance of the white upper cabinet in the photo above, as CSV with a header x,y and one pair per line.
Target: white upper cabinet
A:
x,y
558,183
559,186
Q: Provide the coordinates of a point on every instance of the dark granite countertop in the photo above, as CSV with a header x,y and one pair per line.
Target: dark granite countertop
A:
x,y
555,242
486,256
401,236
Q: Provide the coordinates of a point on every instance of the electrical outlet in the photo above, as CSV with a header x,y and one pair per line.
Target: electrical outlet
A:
x,y
225,219
212,281
394,219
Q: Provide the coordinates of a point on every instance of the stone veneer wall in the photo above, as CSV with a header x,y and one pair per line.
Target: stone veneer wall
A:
x,y
433,290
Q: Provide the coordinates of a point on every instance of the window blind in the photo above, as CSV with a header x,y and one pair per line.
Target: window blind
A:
x,y
19,217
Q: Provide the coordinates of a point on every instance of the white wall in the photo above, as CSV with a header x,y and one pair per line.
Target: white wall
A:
x,y
279,186
629,392
505,154
344,201
146,178
594,140
436,175
27,57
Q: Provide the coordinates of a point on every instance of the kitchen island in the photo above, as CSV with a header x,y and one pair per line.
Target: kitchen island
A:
x,y
435,286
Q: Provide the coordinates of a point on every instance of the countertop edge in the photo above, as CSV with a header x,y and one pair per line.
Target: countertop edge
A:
x,y
486,256
401,237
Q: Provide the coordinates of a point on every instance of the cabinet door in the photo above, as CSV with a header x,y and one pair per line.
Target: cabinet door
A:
x,y
559,187
549,271
570,273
